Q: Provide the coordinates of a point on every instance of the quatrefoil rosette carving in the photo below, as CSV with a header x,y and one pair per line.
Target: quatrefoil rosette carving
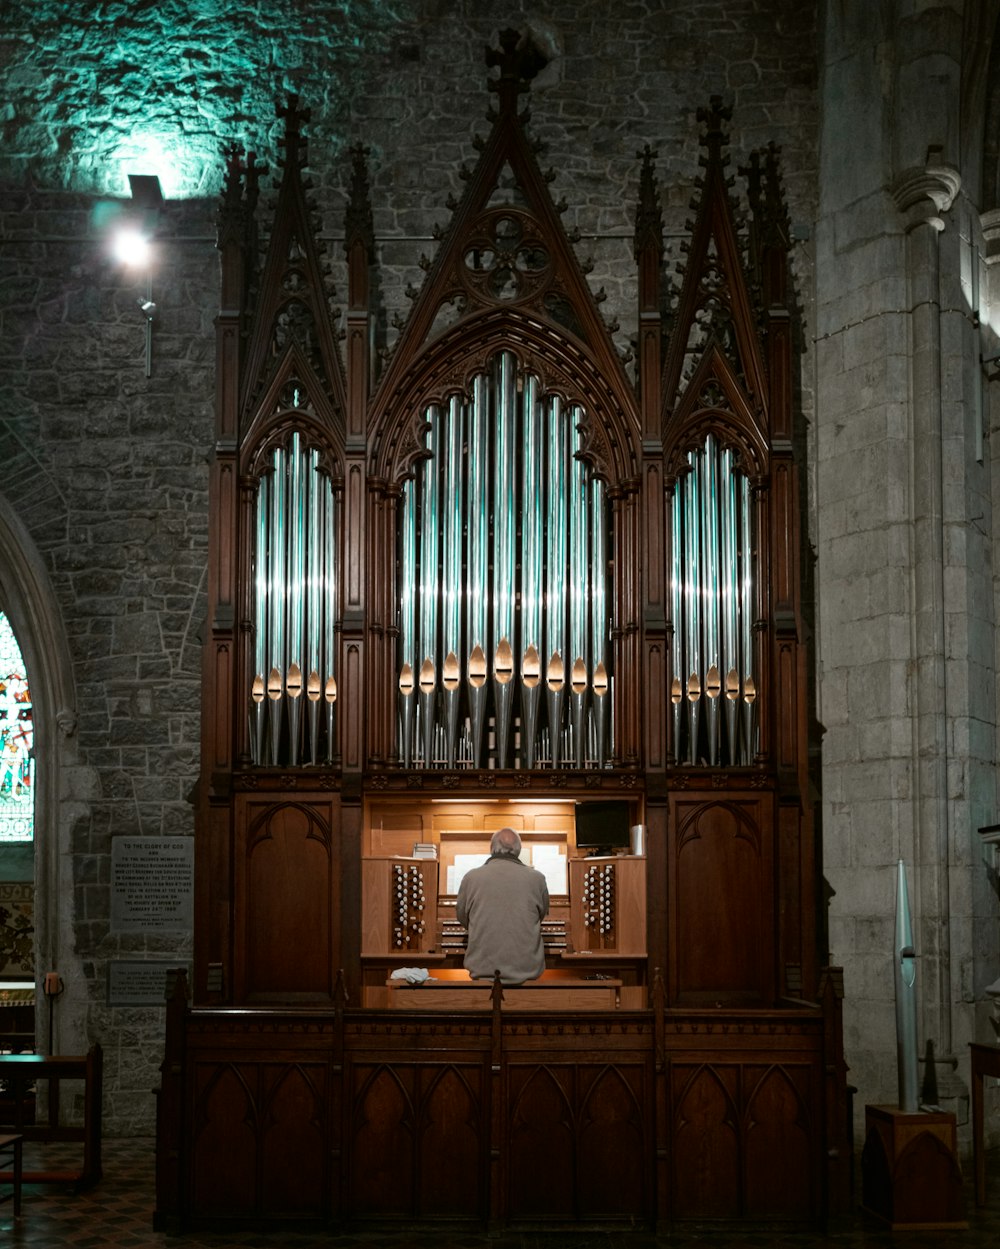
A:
x,y
505,259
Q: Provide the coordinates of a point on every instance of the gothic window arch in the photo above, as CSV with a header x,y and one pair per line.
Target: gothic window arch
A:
x,y
17,755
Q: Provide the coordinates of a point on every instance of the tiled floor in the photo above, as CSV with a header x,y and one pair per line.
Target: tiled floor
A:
x,y
117,1214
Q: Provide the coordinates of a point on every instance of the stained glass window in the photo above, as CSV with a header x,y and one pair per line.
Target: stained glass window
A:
x,y
17,763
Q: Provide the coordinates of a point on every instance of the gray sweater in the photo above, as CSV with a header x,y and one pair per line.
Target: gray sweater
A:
x,y
502,904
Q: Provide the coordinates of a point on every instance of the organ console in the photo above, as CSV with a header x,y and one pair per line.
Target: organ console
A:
x,y
597,917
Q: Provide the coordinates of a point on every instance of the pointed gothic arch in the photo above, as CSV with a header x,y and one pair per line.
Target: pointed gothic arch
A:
x,y
29,601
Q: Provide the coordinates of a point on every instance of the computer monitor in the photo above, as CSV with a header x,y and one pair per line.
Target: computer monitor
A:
x,y
603,826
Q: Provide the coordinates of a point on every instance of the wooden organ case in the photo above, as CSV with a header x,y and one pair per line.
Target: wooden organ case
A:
x,y
486,584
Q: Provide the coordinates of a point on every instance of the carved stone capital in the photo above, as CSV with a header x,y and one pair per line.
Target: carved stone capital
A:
x,y
921,194
990,222
66,721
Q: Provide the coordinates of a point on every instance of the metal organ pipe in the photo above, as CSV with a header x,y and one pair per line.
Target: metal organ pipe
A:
x,y
712,601
730,596
711,595
477,581
678,615
504,551
293,614
747,603
278,590
555,580
407,697
532,529
261,664
599,620
314,599
429,532
514,587
579,564
693,603
451,573
295,581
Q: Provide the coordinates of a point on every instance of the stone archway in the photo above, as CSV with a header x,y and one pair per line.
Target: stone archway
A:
x,y
27,598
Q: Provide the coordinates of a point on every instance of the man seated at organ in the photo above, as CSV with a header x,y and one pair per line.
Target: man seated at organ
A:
x,y
502,905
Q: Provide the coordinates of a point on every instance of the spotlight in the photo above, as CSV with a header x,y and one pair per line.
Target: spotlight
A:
x,y
131,247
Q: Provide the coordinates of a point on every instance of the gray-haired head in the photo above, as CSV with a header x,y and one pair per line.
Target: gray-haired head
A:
x,y
505,841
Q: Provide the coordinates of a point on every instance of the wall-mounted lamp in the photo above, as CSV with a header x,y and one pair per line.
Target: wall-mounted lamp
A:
x,y
132,244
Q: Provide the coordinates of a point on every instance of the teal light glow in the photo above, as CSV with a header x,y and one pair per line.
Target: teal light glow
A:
x,y
179,163
98,90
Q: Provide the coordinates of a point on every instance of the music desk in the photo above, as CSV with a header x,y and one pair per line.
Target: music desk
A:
x,y
985,1062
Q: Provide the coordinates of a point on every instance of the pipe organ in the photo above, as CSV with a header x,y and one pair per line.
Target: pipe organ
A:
x,y
503,598
481,579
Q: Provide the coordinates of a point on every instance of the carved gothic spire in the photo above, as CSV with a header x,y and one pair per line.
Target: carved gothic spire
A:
x,y
715,359
292,345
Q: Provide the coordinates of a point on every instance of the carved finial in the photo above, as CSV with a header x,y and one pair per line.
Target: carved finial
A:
x,y
766,197
713,117
648,214
294,141
519,59
358,224
240,191
230,218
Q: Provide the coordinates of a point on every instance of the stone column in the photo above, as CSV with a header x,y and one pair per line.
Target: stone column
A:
x,y
922,195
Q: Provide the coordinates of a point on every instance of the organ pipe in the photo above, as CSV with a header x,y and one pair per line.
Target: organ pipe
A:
x,y
730,594
503,540
407,698
477,596
504,551
429,535
295,582
555,580
599,619
711,600
712,604
314,598
451,572
579,569
532,529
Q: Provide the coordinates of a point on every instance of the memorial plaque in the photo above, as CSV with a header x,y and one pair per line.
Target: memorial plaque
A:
x,y
152,884
140,983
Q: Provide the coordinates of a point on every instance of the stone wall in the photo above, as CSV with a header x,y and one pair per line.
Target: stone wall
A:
x,y
107,469
904,519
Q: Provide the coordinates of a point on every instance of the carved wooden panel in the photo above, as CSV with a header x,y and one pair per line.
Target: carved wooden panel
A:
x,y
578,1140
744,1139
721,897
416,1131
259,1137
287,883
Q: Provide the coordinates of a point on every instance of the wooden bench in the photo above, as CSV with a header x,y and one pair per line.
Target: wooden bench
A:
x,y
22,1074
453,989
